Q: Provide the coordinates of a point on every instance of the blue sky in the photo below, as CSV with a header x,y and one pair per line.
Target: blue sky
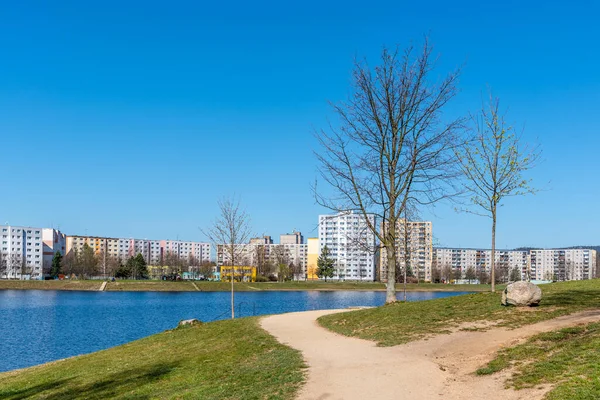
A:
x,y
131,118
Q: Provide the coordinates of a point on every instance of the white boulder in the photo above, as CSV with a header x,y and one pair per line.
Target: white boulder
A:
x,y
521,294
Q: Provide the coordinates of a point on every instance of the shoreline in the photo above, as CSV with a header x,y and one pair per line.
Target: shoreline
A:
x,y
204,286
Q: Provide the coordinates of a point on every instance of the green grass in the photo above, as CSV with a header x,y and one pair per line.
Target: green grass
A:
x,y
569,359
399,323
185,286
220,360
49,285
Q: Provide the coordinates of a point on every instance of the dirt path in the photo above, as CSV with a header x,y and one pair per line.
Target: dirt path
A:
x,y
439,368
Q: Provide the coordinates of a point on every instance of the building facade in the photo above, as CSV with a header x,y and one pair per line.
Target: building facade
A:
x,y
563,264
155,252
414,237
535,264
27,252
351,243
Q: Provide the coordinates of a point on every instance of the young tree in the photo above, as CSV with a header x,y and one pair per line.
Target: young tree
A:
x,y
15,263
515,275
207,269
493,164
3,265
457,274
325,265
483,277
230,228
140,268
470,274
447,273
55,270
88,261
282,258
391,146
69,263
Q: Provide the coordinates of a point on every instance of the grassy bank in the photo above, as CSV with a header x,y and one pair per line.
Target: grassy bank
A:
x,y
569,359
184,286
219,360
403,322
49,285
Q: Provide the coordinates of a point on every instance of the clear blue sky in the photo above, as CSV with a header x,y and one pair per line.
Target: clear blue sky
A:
x,y
131,118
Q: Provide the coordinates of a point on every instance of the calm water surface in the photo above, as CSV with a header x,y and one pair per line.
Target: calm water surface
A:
x,y
38,326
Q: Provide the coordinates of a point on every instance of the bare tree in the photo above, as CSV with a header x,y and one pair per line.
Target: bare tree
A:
x,y
470,274
229,229
391,146
207,269
493,164
281,257
447,272
15,263
3,265
70,262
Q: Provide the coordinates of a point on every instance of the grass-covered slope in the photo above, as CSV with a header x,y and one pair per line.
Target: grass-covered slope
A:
x,y
569,359
403,322
219,360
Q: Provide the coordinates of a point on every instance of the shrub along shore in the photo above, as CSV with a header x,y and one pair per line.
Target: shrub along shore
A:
x,y
209,286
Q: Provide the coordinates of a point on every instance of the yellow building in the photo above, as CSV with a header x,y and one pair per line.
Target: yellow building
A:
x,y
240,274
312,256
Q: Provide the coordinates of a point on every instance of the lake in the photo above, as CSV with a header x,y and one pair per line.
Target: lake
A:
x,y
38,326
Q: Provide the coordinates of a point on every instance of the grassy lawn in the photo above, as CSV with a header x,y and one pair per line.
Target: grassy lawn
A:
x,y
403,322
49,285
184,286
150,286
568,358
219,360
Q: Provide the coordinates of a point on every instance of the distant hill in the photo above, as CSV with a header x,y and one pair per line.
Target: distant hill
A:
x,y
597,248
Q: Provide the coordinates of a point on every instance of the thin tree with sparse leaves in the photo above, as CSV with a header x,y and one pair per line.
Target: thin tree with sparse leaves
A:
x,y
494,163
391,146
230,229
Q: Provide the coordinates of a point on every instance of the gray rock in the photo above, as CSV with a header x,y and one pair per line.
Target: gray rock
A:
x,y
189,322
521,294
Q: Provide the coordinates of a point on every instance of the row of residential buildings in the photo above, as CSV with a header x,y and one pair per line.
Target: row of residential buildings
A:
x,y
348,237
27,252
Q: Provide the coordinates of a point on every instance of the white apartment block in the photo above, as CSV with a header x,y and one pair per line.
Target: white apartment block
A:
x,y
417,237
563,264
351,243
153,251
480,260
537,264
27,252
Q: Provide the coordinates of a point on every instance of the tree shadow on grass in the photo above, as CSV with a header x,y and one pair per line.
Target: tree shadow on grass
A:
x,y
119,384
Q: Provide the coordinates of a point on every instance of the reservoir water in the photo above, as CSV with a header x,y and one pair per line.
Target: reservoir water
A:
x,y
39,326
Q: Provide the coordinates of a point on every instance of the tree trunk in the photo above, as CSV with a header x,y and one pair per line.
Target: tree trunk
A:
x,y
232,300
390,286
493,262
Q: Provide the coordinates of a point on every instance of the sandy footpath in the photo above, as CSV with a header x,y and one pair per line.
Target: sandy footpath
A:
x,y
439,368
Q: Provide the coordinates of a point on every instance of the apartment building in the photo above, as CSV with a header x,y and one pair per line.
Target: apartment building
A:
x,y
460,260
563,264
537,264
416,237
291,238
351,243
257,252
27,252
153,251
